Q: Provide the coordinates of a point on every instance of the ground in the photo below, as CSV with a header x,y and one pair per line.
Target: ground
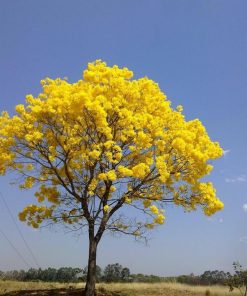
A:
x,y
115,289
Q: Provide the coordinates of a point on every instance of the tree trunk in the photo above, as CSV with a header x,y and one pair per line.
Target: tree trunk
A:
x,y
91,272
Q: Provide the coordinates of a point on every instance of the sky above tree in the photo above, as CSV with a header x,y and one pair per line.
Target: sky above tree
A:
x,y
196,51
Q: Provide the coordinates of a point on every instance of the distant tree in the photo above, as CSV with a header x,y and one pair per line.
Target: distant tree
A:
x,y
138,277
113,272
214,277
32,274
239,279
143,278
106,142
189,279
125,274
207,278
1,274
21,275
49,275
98,273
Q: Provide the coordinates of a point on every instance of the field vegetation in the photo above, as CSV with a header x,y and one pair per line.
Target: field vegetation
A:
x,y
17,288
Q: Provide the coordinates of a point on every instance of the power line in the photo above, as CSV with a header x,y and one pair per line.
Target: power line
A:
x,y
17,252
19,231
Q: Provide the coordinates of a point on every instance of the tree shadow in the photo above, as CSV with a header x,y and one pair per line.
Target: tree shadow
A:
x,y
60,292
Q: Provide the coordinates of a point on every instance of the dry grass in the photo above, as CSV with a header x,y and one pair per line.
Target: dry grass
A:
x,y
124,289
163,289
8,286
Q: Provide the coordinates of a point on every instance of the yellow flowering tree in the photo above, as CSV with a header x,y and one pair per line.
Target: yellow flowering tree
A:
x,y
101,144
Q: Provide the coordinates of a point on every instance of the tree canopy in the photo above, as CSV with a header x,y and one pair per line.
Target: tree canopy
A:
x,y
105,141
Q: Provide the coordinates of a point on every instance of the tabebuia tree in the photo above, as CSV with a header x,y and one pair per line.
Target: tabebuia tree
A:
x,y
106,143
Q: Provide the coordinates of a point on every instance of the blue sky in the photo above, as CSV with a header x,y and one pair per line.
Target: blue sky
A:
x,y
196,51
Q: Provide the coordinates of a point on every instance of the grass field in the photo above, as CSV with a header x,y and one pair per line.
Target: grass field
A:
x,y
121,289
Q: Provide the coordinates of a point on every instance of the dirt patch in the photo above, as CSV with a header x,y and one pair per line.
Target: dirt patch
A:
x,y
60,292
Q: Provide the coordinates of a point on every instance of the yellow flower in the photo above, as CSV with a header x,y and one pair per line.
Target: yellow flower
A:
x,y
140,170
154,209
111,175
102,176
159,219
125,172
106,208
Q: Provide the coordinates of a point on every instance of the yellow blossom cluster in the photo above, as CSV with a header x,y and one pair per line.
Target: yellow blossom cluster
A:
x,y
110,175
140,170
49,193
159,215
84,137
34,214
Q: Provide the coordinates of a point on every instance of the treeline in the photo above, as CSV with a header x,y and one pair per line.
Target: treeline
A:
x,y
63,274
208,278
112,273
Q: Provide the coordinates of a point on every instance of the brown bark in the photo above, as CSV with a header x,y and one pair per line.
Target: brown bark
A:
x,y
93,243
91,272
